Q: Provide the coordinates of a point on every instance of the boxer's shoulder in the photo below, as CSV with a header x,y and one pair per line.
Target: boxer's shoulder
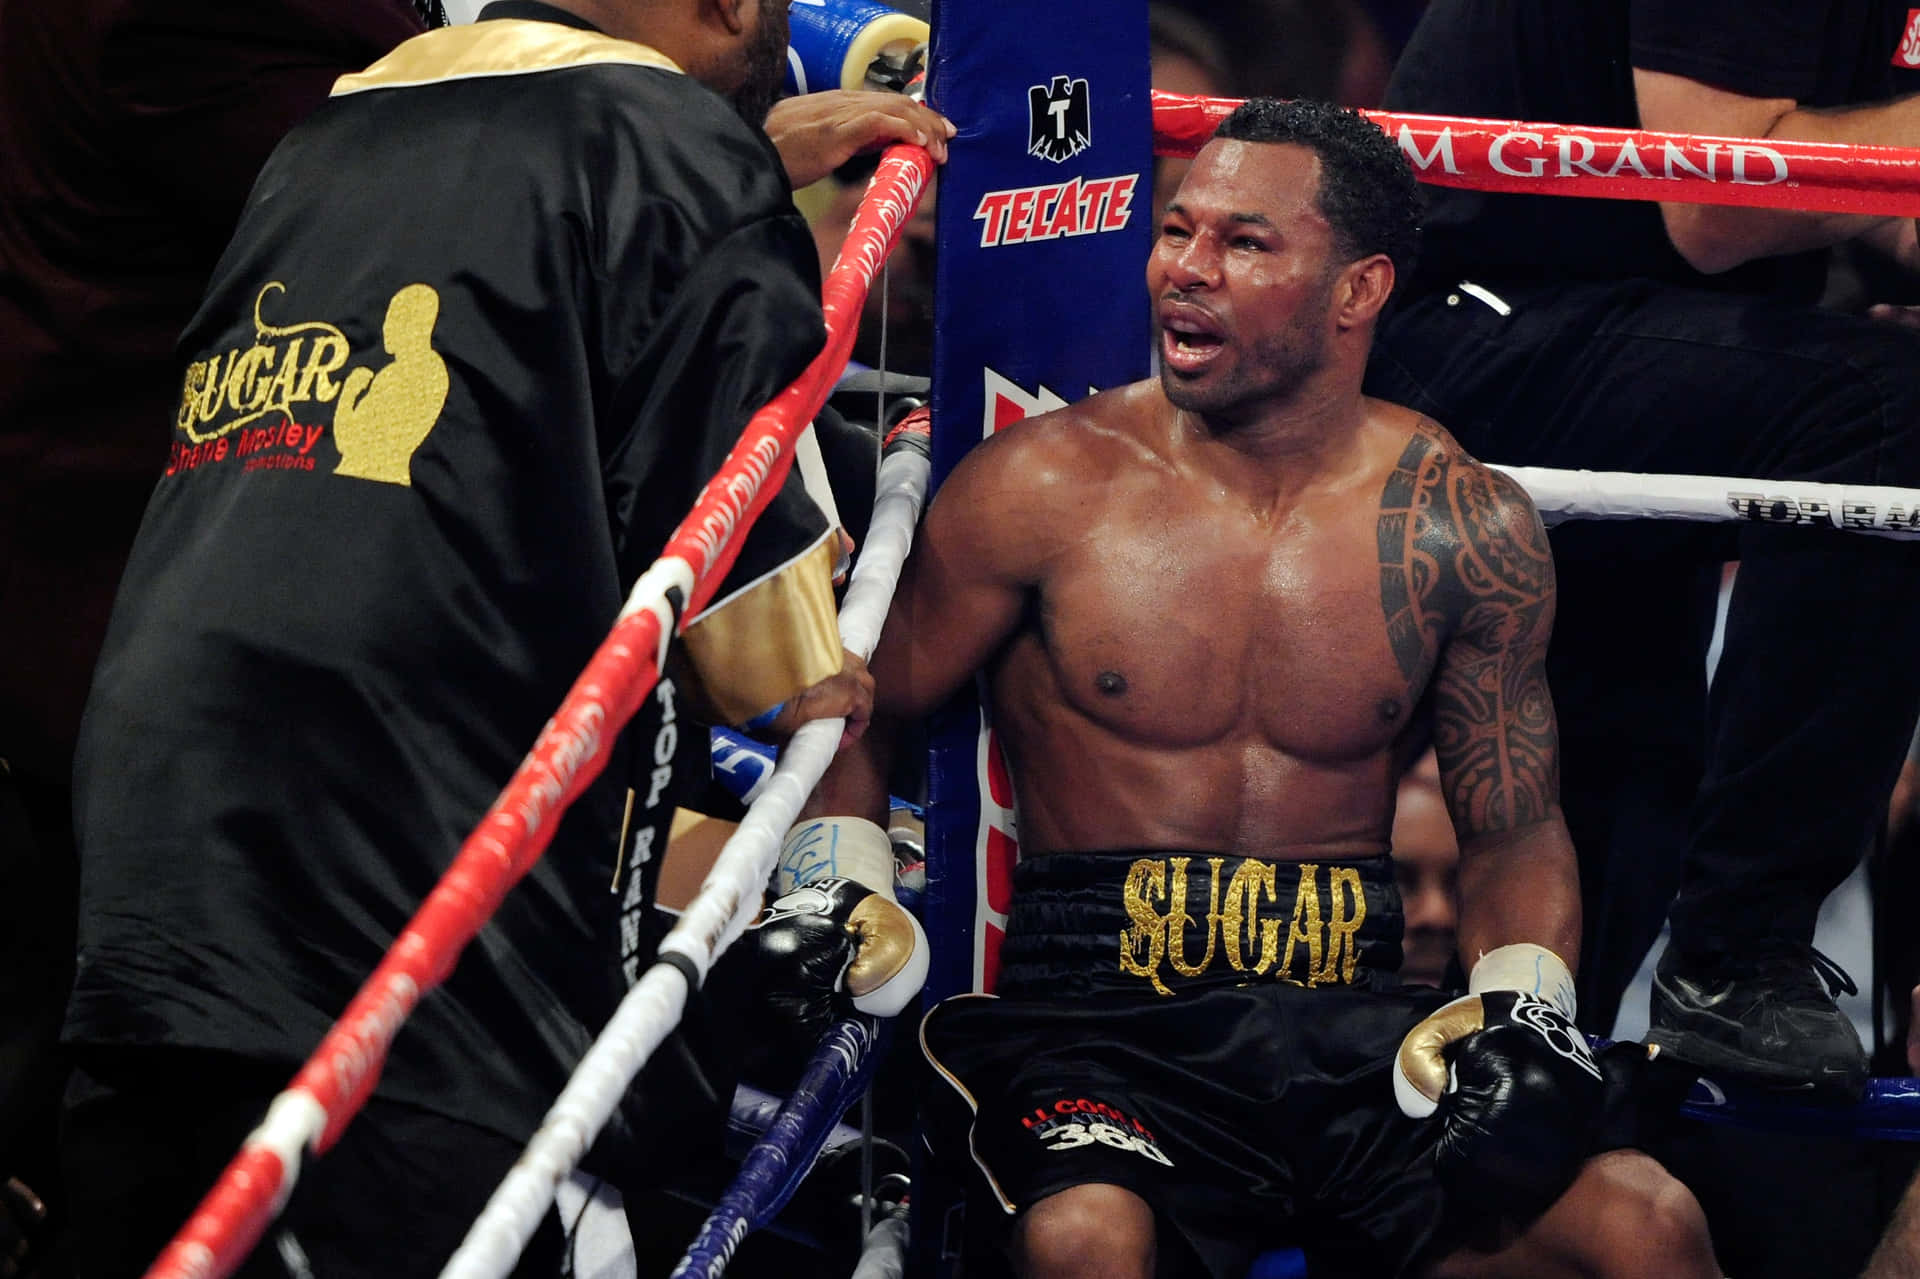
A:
x,y
1457,496
1065,455
1417,441
1463,551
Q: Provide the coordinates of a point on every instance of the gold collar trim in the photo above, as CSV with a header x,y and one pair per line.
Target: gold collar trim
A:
x,y
497,47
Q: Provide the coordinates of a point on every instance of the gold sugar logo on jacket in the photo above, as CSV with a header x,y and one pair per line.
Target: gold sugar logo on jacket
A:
x,y
383,417
266,405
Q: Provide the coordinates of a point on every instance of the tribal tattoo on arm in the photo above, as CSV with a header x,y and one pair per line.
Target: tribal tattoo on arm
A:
x,y
1467,586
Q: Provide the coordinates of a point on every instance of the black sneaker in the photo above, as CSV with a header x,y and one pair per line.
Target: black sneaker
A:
x,y
1767,1018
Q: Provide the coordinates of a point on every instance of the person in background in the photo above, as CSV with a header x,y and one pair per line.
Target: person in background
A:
x,y
450,388
1682,338
1426,865
1327,50
1188,54
1394,20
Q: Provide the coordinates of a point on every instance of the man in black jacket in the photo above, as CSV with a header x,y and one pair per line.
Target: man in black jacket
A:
x,y
1682,338
490,319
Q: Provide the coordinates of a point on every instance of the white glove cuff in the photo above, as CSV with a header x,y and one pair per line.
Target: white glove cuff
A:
x,y
1525,967
843,847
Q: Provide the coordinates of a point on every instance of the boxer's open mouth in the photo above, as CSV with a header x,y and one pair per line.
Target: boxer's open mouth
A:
x,y
1188,345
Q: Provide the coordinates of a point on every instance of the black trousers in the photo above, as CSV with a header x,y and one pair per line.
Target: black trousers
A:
x,y
147,1131
1817,688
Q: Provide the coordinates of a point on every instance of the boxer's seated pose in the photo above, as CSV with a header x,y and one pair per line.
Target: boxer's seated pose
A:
x,y
1217,613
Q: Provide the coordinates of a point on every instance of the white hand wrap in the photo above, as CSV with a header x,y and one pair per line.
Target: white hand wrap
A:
x,y
838,848
1525,967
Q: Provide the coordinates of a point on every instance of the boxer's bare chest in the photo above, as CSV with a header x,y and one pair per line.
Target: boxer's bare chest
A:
x,y
1197,620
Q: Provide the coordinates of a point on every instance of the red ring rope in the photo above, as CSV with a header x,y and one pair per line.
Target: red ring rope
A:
x,y
1617,164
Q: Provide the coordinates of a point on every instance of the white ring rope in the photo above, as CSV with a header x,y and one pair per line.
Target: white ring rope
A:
x,y
718,915
884,1256
1626,495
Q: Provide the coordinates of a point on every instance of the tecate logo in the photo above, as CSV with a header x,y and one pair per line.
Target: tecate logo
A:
x,y
1081,206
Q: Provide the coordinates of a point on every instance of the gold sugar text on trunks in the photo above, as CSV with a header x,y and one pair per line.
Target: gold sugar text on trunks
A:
x,y
1242,928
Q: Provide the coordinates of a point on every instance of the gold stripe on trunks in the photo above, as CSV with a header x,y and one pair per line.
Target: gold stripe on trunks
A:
x,y
768,640
496,47
926,1050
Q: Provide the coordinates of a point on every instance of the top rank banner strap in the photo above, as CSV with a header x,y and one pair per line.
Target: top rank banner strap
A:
x,y
1613,164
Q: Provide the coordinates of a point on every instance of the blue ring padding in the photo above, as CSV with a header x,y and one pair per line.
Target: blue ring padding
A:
x,y
764,720
739,762
820,34
1889,1110
840,1070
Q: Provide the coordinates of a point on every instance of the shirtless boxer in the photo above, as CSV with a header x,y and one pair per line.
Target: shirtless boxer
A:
x,y
1217,613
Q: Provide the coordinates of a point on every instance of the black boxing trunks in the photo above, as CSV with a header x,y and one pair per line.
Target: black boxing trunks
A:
x,y
1215,1034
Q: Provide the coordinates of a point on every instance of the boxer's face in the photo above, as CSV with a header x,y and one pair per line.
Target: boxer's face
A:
x,y
765,55
1242,278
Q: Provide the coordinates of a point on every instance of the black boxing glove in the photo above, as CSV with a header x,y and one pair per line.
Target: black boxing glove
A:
x,y
1519,1099
1512,1083
837,945
830,943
